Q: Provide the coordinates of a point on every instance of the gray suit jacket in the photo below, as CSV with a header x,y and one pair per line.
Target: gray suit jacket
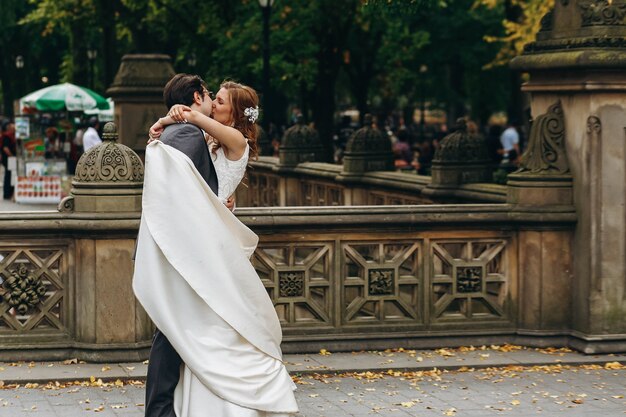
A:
x,y
189,139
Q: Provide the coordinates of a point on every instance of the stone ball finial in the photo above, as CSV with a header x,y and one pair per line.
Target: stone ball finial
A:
x,y
109,132
109,162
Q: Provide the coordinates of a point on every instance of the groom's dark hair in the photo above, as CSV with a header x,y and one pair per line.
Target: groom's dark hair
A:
x,y
180,89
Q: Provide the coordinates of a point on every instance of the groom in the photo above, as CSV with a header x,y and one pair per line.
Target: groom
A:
x,y
164,365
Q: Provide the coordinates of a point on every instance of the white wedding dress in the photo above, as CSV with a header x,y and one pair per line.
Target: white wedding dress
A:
x,y
194,278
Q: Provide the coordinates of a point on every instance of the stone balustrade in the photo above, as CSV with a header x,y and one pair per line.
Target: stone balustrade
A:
x,y
340,278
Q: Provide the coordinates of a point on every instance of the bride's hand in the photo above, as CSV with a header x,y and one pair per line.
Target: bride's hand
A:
x,y
177,112
155,131
230,203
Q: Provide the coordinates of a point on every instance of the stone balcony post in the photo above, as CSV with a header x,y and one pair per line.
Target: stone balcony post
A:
x,y
107,187
577,72
460,159
367,150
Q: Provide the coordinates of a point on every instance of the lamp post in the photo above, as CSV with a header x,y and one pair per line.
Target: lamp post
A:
x,y
19,64
266,8
423,71
92,54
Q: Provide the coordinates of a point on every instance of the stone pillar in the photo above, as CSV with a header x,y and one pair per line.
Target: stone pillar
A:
x,y
137,91
460,159
107,185
577,67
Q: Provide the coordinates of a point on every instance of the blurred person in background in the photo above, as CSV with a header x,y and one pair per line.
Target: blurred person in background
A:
x,y
91,137
8,149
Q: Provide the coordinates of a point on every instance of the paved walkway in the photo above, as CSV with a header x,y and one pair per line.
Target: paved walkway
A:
x,y
505,380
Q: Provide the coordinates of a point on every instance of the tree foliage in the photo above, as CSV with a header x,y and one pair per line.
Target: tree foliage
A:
x,y
521,24
353,53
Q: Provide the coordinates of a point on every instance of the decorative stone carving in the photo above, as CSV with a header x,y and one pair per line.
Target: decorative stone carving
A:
x,y
109,161
381,281
291,283
300,143
263,190
298,279
66,205
469,279
368,149
602,12
546,146
35,287
594,125
109,177
575,43
23,289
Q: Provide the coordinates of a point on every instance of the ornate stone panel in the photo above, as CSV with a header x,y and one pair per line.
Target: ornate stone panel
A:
x,y
468,280
316,193
381,282
34,289
298,280
263,189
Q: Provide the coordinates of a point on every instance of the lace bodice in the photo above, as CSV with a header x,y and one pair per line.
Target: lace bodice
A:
x,y
229,173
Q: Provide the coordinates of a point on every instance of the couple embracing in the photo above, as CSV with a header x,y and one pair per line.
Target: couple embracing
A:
x,y
216,351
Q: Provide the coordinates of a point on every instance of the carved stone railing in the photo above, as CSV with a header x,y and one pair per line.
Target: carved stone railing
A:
x,y
363,278
322,184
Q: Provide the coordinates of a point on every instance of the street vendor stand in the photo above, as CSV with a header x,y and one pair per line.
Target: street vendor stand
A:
x,y
42,176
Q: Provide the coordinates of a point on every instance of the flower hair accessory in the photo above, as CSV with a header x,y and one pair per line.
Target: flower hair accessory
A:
x,y
252,113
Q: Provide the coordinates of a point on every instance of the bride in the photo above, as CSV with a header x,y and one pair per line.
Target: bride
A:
x,y
196,280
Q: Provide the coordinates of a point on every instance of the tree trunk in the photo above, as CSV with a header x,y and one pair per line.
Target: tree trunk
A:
x,y
106,9
80,64
325,108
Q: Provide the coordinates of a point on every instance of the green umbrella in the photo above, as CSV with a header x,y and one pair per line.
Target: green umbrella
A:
x,y
64,96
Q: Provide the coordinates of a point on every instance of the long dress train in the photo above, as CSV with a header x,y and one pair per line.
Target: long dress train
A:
x,y
194,278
